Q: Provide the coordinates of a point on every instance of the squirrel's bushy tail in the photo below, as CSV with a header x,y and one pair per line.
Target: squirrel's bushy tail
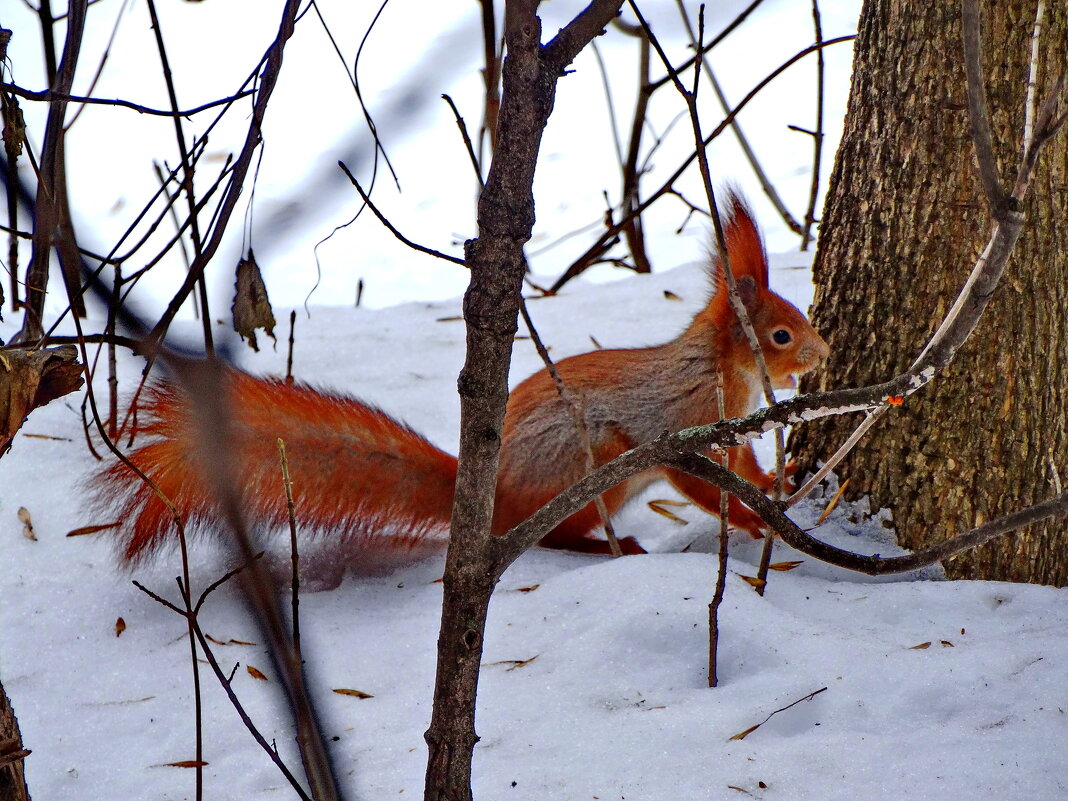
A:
x,y
370,480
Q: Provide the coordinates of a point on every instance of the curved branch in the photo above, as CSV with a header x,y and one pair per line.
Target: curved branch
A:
x,y
49,95
795,537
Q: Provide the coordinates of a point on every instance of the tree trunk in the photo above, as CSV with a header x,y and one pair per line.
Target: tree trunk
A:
x,y
491,308
904,222
12,780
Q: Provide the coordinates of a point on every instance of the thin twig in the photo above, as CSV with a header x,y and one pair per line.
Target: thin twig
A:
x,y
721,560
51,211
392,228
198,700
631,195
612,231
467,140
743,141
491,75
50,95
289,352
751,729
227,685
839,455
607,87
817,135
187,181
293,551
727,31
253,137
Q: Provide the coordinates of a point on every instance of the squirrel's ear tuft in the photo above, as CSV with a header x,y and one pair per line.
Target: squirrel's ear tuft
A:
x,y
745,248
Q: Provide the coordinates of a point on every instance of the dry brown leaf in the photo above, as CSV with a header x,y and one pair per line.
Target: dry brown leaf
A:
x,y
739,789
251,308
353,693
120,627
752,581
784,566
256,674
27,523
48,436
743,734
455,319
513,663
81,532
187,763
671,295
14,125
920,647
657,505
231,641
531,588
833,502
30,379
596,344
947,644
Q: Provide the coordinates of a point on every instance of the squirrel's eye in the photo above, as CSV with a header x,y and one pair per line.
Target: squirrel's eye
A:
x,y
781,337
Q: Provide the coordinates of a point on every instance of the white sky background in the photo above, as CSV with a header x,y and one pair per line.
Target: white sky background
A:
x,y
415,53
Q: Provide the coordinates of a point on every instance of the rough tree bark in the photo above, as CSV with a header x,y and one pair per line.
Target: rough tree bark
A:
x,y
12,754
904,221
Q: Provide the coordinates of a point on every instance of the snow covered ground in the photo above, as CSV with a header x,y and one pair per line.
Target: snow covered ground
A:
x,y
594,683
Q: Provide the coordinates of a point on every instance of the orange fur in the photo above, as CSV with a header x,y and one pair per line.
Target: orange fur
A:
x,y
380,487
357,472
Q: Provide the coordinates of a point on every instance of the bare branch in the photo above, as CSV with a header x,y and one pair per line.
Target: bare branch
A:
x,y
875,565
843,451
468,145
978,112
734,24
268,81
1032,78
612,231
385,221
50,95
817,135
578,33
743,141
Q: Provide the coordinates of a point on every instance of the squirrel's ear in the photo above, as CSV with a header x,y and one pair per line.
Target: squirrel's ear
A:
x,y
747,289
745,247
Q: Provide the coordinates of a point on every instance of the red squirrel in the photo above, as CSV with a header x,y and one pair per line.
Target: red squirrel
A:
x,y
380,488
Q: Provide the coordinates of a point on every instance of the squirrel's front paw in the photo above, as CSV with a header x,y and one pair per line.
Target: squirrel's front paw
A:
x,y
629,546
